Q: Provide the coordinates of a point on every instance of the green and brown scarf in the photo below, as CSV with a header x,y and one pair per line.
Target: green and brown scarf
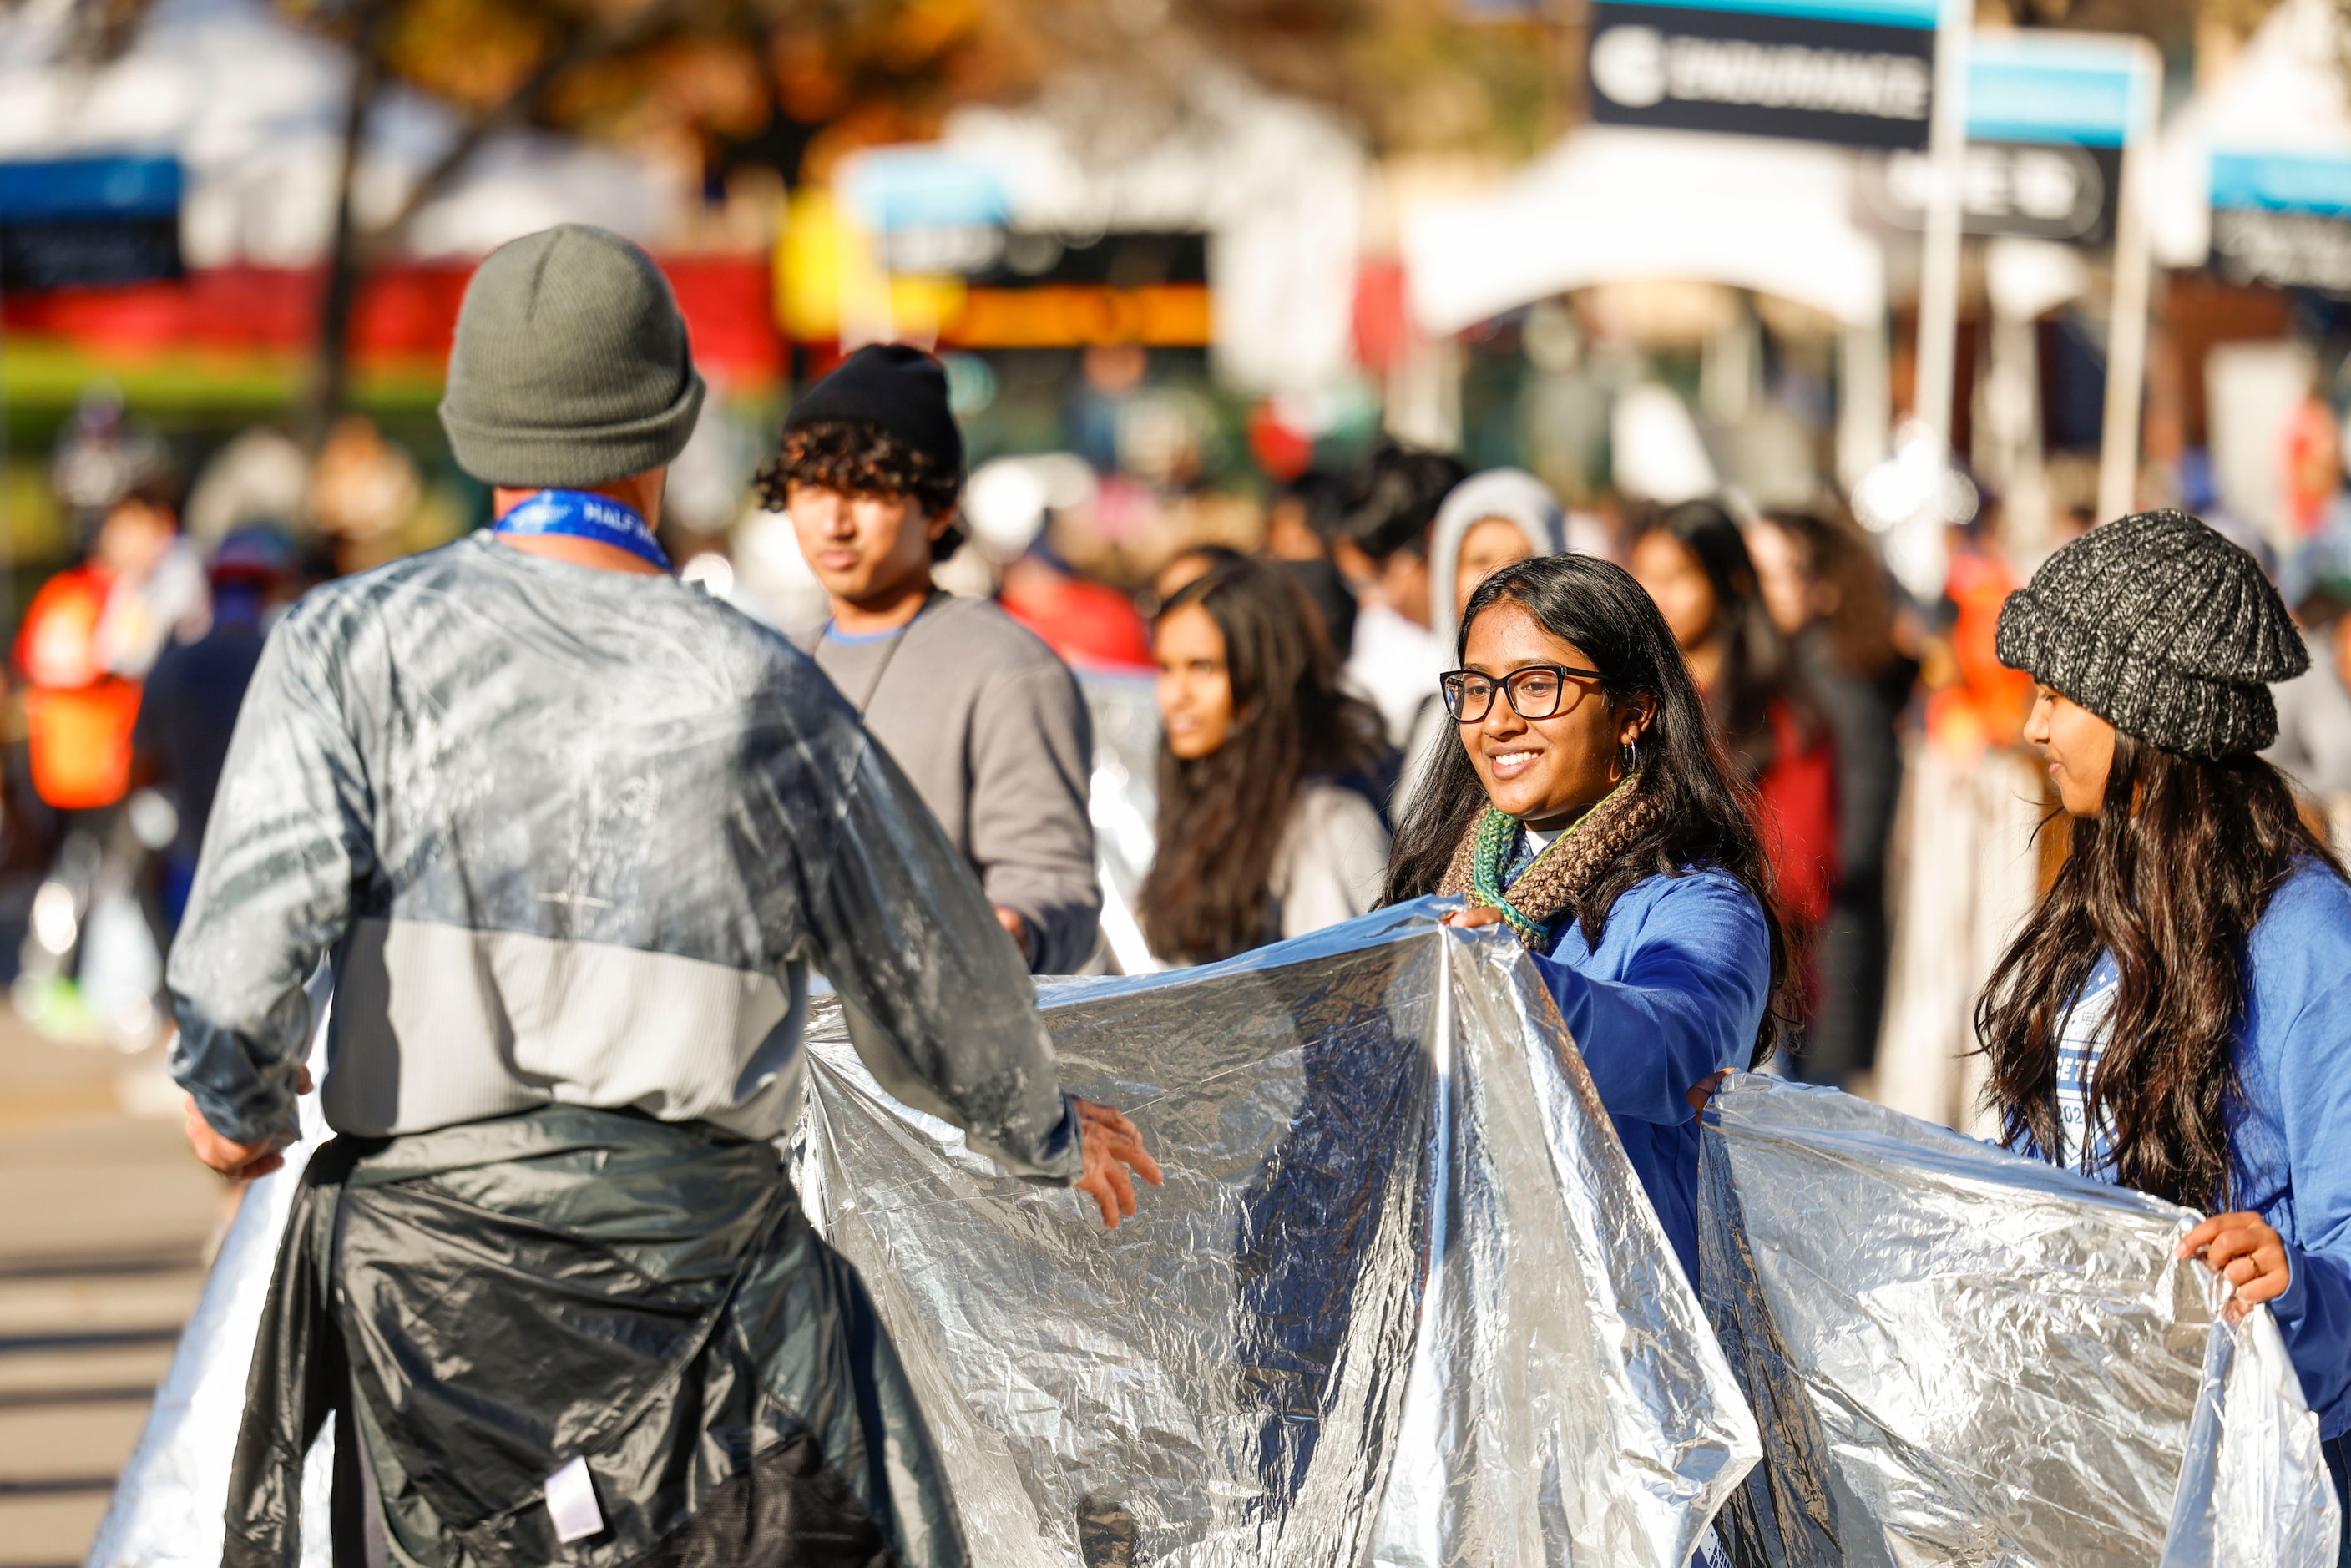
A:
x,y
1552,890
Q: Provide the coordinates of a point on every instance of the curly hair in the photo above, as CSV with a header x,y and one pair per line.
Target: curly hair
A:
x,y
859,459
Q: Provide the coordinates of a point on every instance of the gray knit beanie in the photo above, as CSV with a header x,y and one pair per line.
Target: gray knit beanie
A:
x,y
571,366
2161,627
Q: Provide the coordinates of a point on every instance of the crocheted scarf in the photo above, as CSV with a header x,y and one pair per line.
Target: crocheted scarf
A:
x,y
1549,892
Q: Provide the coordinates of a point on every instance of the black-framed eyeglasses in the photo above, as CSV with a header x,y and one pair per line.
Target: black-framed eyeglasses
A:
x,y
1535,692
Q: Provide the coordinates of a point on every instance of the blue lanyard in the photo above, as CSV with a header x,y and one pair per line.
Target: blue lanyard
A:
x,y
583,515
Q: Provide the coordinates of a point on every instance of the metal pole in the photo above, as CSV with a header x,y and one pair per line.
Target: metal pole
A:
x,y
2126,326
1939,273
345,260
1864,399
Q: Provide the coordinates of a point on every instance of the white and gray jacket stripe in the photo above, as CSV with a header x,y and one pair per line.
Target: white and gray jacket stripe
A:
x,y
575,836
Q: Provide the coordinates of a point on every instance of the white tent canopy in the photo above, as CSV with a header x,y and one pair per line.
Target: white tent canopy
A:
x,y
1612,204
2285,94
254,107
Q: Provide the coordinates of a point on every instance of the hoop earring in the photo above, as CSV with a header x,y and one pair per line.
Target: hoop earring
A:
x,y
1628,755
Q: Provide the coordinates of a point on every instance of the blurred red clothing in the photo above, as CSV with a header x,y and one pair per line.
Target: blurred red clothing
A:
x,y
1090,625
77,716
1797,799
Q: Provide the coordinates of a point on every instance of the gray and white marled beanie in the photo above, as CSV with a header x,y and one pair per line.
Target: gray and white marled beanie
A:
x,y
2161,627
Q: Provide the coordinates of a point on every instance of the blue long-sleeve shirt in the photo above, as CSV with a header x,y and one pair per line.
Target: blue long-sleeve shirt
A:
x,y
2291,1145
1673,994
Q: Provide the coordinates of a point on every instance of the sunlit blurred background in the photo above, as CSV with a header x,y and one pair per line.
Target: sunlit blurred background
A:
x,y
1189,262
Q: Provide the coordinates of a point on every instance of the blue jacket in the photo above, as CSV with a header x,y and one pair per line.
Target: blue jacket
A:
x,y
1673,994
2291,1141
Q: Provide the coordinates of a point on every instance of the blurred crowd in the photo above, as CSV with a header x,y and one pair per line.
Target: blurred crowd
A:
x,y
1259,680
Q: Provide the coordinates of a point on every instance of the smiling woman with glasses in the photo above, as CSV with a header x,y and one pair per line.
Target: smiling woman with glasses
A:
x,y
1535,692
1586,805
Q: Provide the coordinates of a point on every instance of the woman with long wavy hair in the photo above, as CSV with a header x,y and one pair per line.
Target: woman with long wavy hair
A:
x,y
1831,599
1267,772
1693,560
2176,1015
1585,803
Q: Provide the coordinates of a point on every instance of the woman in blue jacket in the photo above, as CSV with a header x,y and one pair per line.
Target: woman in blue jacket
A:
x,y
2176,1015
1588,806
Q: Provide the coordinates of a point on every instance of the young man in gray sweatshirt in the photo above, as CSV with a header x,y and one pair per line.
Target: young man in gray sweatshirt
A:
x,y
984,718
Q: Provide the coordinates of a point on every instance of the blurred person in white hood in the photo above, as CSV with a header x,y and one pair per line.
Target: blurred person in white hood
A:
x,y
1487,522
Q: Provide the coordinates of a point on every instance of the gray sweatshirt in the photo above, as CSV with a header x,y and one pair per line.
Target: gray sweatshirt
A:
x,y
988,723
575,837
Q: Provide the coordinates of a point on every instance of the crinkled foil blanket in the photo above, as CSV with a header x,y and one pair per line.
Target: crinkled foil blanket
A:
x,y
1401,1301
1401,1296
1961,1356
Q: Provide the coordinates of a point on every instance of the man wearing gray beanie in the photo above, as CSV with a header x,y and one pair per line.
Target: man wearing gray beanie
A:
x,y
2174,1016
570,834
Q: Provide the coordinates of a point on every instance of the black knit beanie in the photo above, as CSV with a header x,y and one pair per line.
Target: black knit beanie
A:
x,y
571,365
2161,627
903,390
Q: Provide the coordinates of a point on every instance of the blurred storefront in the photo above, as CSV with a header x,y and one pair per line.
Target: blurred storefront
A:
x,y
195,297
2256,214
1139,297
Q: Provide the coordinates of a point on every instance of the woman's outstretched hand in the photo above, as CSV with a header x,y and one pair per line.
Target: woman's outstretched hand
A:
x,y
1113,1145
2247,1251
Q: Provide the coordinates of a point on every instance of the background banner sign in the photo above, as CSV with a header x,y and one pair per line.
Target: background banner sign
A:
x,y
2046,120
2052,192
2282,218
88,221
1856,72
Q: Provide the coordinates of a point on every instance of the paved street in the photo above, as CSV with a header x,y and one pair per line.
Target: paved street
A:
x,y
104,1221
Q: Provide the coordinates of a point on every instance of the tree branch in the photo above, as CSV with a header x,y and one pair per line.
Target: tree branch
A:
x,y
591,42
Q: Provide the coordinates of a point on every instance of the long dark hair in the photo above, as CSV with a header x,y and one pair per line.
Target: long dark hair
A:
x,y
1706,816
1755,661
1222,816
2170,877
1840,557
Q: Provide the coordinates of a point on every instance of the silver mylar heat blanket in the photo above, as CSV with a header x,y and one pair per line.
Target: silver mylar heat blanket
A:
x,y
1961,1356
1401,1300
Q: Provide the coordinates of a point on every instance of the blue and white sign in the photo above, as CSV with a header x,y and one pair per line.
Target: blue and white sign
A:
x,y
2047,117
128,187
2057,88
88,221
933,211
1856,72
2283,217
2317,183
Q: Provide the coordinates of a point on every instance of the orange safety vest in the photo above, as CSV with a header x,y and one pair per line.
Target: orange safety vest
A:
x,y
79,718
